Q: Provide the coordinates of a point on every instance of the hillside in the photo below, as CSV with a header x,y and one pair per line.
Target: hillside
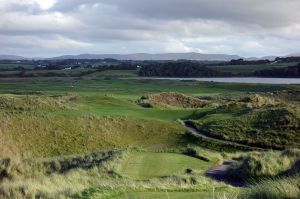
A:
x,y
146,56
11,57
255,121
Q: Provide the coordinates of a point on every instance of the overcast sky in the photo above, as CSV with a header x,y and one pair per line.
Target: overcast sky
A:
x,y
244,27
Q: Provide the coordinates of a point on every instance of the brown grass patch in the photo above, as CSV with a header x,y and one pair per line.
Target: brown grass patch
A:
x,y
172,99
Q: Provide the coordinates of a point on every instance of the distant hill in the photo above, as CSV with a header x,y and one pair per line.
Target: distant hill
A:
x,y
294,55
271,58
146,56
11,57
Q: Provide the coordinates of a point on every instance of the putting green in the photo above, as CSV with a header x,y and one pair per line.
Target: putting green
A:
x,y
146,165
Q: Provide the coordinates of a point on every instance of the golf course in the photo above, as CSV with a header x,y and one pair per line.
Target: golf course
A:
x,y
111,134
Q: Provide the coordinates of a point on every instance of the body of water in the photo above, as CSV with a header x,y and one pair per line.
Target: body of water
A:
x,y
249,80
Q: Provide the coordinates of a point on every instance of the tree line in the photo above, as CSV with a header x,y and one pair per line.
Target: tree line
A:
x,y
288,72
179,69
198,69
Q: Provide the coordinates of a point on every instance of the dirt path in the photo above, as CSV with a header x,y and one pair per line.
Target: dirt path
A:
x,y
219,173
204,135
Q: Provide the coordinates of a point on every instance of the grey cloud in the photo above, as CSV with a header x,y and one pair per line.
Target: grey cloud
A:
x,y
266,12
247,27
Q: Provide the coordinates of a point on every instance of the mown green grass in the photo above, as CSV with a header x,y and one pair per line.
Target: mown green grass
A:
x,y
147,165
110,105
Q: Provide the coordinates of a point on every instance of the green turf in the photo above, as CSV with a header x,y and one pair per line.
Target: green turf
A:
x,y
108,105
146,165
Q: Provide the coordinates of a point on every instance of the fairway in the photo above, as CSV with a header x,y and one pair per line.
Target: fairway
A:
x,y
146,165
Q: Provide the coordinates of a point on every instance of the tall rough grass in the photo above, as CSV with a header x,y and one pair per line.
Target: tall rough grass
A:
x,y
44,135
21,103
257,165
265,126
284,188
49,178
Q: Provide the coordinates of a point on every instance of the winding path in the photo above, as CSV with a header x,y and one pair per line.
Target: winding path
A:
x,y
219,173
206,136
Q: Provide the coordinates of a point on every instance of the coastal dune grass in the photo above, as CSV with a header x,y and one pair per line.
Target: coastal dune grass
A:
x,y
50,125
274,189
256,166
46,135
